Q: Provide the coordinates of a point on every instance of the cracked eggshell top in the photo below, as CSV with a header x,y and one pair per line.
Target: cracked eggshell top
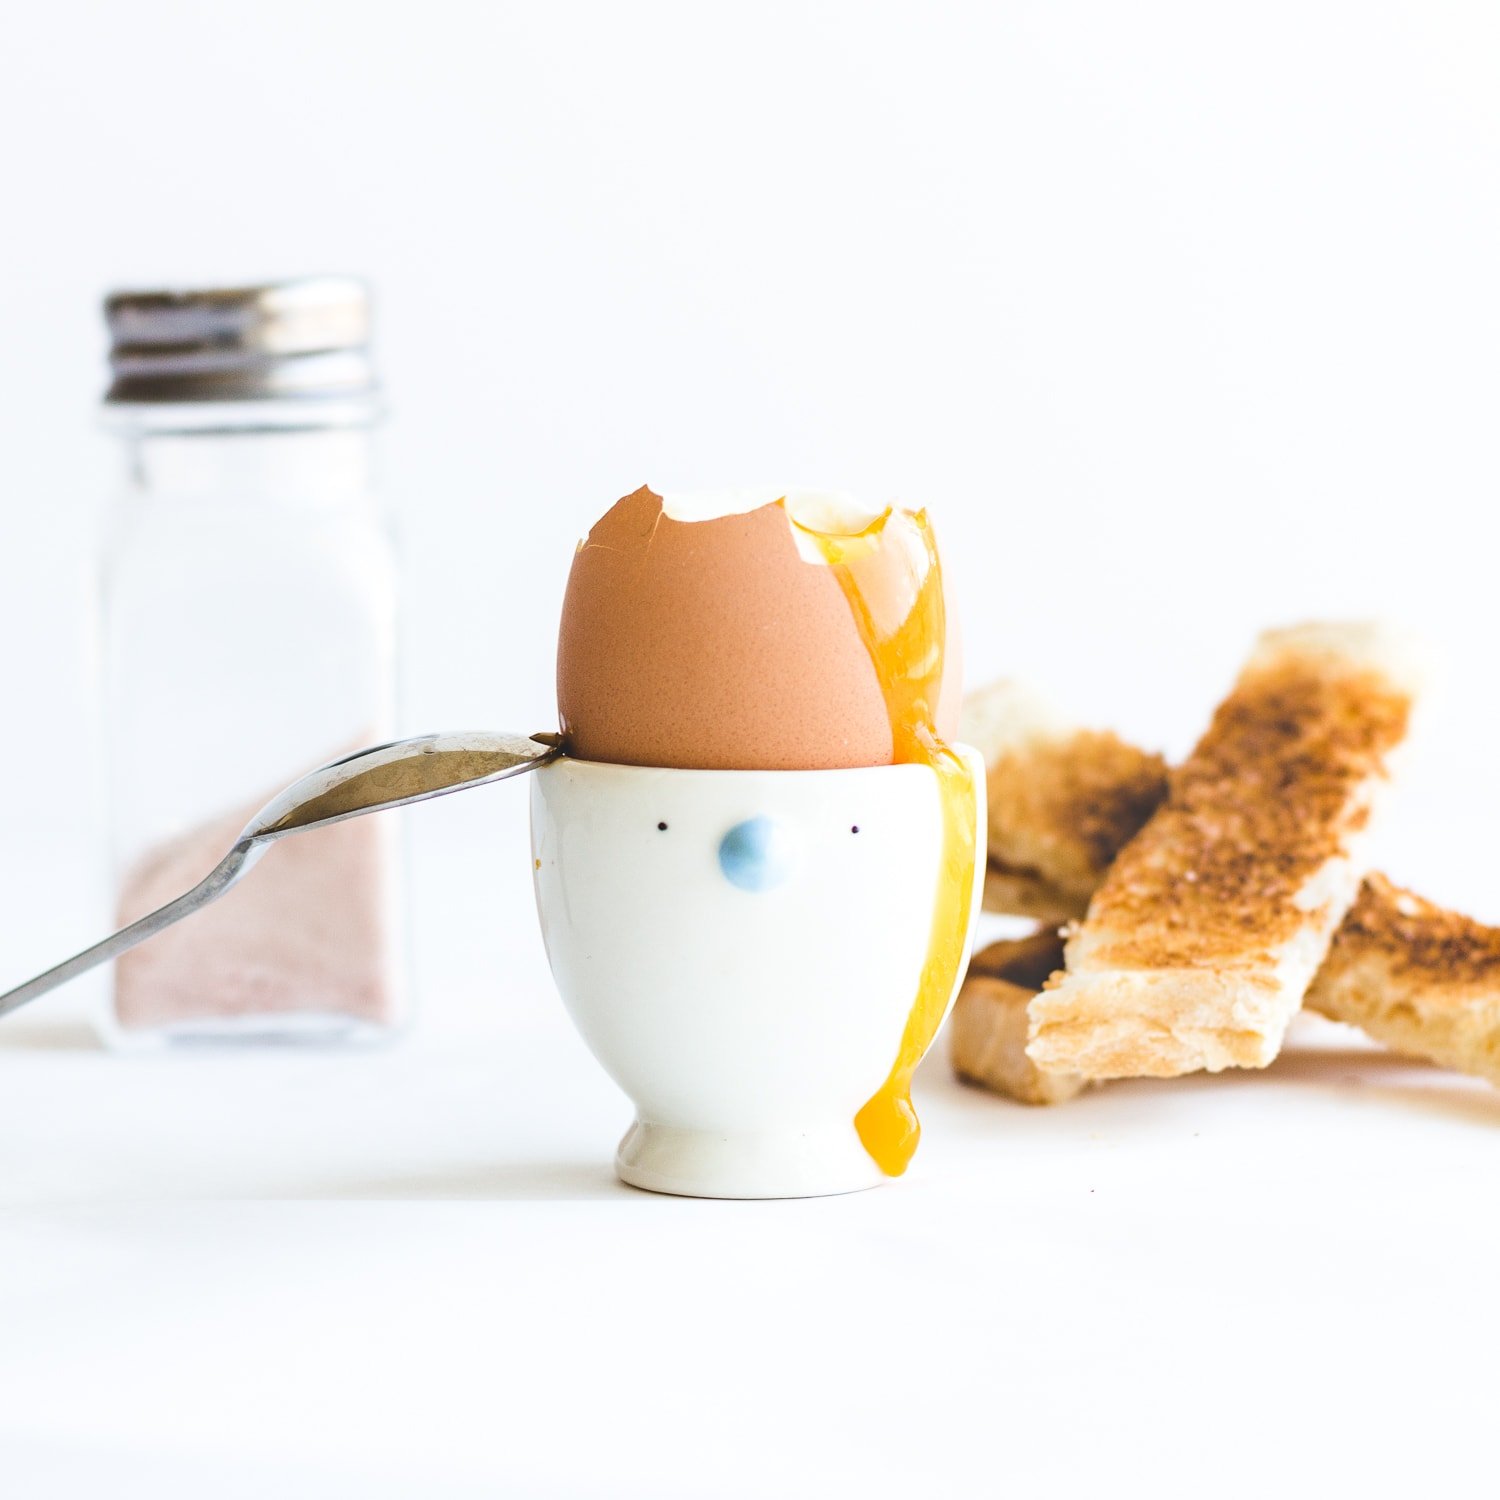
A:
x,y
717,644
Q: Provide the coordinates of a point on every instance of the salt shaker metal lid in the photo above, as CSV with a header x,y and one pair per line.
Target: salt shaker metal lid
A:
x,y
307,338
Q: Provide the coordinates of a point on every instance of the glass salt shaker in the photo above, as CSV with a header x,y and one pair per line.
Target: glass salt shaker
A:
x,y
249,635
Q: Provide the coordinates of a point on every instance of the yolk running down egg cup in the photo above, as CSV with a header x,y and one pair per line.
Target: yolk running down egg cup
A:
x,y
740,950
759,866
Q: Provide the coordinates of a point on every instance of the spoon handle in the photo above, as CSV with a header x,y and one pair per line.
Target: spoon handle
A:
x,y
210,888
393,775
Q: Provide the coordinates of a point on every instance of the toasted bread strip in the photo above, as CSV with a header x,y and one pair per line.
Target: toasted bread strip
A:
x,y
1062,801
1203,937
989,1021
1420,979
1424,981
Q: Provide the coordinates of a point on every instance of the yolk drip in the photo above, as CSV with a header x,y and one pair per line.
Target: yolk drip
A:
x,y
906,641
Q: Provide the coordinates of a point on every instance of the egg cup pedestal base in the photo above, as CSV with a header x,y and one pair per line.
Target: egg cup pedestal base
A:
x,y
813,1163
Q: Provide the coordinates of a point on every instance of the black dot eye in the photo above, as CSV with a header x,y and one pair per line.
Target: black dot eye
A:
x,y
662,827
855,828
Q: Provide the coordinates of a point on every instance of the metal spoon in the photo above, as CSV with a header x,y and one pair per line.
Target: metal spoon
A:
x,y
392,775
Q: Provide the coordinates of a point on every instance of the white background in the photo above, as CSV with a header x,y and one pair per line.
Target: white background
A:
x,y
1183,319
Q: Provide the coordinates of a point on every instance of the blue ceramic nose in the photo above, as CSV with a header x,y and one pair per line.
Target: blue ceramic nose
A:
x,y
758,854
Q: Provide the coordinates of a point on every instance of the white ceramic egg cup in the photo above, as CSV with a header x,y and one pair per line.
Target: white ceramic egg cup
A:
x,y
741,951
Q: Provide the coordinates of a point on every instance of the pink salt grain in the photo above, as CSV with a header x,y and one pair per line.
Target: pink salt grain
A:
x,y
305,933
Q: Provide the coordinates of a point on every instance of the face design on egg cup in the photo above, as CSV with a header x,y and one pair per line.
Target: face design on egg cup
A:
x,y
741,950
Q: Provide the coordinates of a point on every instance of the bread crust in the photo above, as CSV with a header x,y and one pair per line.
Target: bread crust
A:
x,y
1063,806
1420,979
988,1031
1025,893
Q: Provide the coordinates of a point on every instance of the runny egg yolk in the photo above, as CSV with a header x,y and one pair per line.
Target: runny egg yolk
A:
x,y
907,644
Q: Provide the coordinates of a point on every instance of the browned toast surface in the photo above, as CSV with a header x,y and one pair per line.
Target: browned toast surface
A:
x,y
1415,940
988,1032
1027,962
1201,940
1268,797
1023,893
1060,808
1421,979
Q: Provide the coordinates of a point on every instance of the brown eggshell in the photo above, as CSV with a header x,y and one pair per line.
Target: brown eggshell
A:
x,y
714,644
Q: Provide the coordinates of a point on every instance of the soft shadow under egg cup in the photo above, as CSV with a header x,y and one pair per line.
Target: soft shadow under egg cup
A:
x,y
741,951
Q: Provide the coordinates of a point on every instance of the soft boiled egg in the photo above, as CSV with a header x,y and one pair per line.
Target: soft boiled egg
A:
x,y
710,631
766,631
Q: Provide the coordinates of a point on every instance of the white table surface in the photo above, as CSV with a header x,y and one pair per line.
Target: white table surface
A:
x,y
1183,318
411,1271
